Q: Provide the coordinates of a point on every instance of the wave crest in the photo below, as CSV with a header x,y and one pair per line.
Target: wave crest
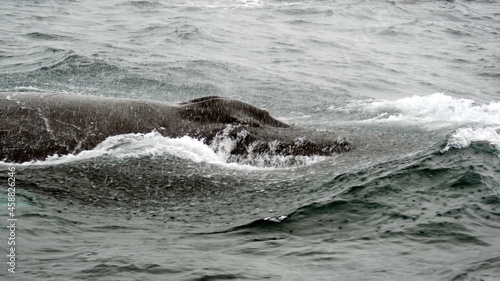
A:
x,y
153,144
436,110
464,137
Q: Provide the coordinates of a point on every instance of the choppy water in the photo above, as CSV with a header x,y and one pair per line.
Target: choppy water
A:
x,y
413,84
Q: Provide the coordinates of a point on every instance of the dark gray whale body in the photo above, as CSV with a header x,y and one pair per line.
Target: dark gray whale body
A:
x,y
35,125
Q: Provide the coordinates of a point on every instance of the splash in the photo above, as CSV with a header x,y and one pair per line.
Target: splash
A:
x,y
153,144
223,144
464,137
139,145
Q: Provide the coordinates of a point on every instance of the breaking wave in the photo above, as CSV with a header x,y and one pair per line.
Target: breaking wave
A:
x,y
433,111
153,144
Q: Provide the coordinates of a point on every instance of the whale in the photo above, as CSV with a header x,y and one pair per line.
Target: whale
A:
x,y
37,125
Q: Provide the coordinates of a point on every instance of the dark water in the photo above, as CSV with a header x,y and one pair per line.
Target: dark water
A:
x,y
413,84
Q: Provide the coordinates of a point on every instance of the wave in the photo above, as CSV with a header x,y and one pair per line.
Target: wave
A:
x,y
136,145
140,145
430,197
54,67
32,59
464,137
242,4
64,71
73,63
47,36
142,4
434,111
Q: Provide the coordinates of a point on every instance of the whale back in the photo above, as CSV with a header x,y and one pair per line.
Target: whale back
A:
x,y
214,109
37,125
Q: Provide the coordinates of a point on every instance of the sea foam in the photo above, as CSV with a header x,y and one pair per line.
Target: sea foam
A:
x,y
153,144
463,137
435,110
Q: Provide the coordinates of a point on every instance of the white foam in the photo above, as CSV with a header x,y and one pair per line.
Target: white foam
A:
x,y
139,145
229,4
464,137
154,144
435,110
28,88
239,4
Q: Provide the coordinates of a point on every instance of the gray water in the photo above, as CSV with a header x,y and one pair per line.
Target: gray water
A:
x,y
413,84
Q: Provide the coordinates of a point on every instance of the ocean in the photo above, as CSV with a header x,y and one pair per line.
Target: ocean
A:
x,y
413,85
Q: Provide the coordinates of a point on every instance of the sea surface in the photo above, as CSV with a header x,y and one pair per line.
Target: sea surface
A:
x,y
414,85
